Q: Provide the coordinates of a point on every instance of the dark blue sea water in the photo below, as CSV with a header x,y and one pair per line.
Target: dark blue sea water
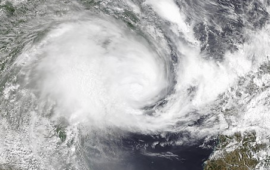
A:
x,y
147,152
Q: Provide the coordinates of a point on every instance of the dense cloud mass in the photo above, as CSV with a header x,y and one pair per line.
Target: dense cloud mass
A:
x,y
125,85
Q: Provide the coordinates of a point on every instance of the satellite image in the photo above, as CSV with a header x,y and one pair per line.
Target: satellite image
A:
x,y
134,85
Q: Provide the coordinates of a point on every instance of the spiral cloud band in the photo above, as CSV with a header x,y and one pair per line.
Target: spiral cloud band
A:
x,y
124,84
